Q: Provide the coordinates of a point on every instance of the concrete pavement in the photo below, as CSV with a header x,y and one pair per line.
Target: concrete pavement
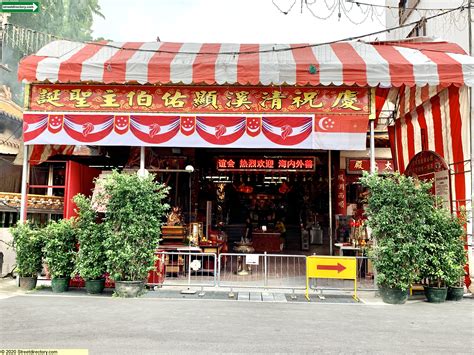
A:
x,y
107,325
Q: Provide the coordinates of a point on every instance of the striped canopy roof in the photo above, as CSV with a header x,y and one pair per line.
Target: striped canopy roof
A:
x,y
384,64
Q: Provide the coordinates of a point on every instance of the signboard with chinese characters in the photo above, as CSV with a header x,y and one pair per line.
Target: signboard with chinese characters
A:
x,y
357,166
341,192
265,164
428,165
441,186
197,99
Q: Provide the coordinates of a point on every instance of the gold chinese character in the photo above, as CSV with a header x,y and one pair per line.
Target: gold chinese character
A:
x,y
358,165
47,97
143,99
176,100
275,100
80,97
241,99
109,99
346,99
205,98
307,99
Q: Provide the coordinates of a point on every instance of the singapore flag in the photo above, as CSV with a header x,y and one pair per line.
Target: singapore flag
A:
x,y
340,132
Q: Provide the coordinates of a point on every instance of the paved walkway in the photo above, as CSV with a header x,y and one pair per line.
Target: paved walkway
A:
x,y
8,289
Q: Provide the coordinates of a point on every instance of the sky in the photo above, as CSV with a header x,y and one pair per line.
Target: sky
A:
x,y
229,21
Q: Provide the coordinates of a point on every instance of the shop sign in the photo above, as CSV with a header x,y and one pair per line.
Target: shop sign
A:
x,y
357,166
198,99
430,166
331,267
425,162
265,164
341,192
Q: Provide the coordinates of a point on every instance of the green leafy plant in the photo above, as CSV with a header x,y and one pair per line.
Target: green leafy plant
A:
x,y
443,249
398,208
134,210
59,245
90,258
27,243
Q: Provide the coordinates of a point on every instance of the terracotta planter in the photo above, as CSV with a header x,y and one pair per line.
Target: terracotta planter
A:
x,y
28,283
129,288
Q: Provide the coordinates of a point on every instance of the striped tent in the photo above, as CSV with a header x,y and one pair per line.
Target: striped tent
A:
x,y
425,80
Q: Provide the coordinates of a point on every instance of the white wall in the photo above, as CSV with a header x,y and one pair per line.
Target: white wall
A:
x,y
9,256
452,27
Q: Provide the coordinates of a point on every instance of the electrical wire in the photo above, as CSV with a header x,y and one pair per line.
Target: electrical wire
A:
x,y
272,50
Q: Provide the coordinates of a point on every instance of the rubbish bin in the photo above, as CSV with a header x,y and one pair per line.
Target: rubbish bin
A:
x,y
316,234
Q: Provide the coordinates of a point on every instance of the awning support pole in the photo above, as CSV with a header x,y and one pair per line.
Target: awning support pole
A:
x,y
330,200
24,183
372,147
142,159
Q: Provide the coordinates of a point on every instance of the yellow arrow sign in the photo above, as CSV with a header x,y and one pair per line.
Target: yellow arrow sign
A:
x,y
331,267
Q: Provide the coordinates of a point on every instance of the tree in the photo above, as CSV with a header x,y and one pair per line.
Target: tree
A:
x,y
70,19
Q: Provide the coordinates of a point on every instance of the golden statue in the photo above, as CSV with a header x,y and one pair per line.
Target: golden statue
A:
x,y
174,218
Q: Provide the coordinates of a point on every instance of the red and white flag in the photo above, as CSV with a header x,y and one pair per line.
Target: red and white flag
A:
x,y
340,132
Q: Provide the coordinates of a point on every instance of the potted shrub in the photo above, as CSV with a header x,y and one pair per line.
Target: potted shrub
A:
x,y
90,258
443,254
134,211
59,245
397,210
27,244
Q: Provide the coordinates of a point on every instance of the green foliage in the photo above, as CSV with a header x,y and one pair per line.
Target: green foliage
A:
x,y
398,208
27,244
443,250
132,223
70,19
90,259
414,238
59,245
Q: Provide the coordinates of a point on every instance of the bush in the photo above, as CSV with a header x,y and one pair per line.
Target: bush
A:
x,y
443,251
59,245
398,209
27,243
90,259
134,209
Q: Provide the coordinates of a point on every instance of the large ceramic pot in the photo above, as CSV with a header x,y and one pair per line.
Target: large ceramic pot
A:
x,y
60,284
436,294
393,295
455,293
95,286
129,288
28,283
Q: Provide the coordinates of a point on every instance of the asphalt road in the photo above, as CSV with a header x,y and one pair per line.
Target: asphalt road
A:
x,y
145,326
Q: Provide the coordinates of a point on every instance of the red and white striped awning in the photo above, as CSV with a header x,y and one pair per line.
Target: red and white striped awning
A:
x,y
382,64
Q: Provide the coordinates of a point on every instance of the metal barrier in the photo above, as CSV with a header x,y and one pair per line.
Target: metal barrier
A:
x,y
234,270
185,269
262,271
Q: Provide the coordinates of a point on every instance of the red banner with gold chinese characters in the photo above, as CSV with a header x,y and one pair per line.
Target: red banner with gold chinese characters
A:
x,y
198,99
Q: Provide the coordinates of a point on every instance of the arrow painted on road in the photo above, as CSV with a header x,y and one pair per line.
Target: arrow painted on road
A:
x,y
339,267
26,6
